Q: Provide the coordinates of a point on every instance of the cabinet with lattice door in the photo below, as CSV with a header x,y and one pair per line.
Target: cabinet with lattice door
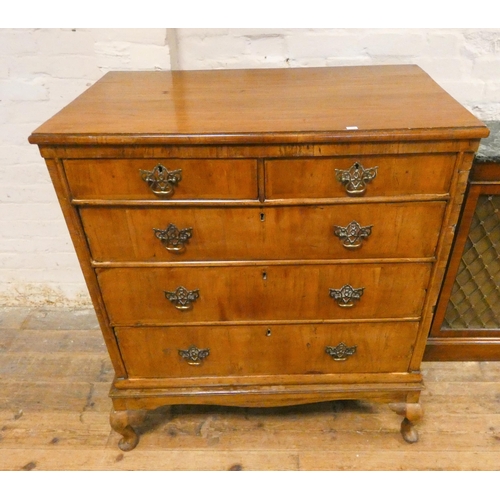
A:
x,y
467,321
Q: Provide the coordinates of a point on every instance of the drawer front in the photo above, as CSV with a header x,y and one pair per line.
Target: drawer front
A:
x,y
260,350
309,232
137,296
396,175
140,179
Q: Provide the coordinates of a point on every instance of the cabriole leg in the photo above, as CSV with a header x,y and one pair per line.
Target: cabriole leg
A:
x,y
412,413
122,422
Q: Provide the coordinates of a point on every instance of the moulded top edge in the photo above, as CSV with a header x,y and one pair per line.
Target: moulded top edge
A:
x,y
262,138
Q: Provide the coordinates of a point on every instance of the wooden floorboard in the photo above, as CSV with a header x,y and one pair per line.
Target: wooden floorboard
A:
x,y
54,407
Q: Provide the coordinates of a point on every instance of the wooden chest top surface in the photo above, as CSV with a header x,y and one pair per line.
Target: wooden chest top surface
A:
x,y
380,103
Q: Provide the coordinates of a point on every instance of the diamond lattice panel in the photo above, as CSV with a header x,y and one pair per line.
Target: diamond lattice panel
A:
x,y
475,297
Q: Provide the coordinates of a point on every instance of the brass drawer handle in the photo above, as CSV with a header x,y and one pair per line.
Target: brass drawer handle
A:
x,y
173,239
340,352
356,178
193,355
346,295
182,298
161,181
353,234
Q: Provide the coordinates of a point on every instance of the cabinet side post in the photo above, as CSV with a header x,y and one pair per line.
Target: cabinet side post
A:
x,y
450,219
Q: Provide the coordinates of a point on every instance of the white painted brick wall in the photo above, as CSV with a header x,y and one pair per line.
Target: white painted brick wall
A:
x,y
42,70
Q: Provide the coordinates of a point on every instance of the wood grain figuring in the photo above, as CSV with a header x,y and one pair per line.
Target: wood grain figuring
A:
x,y
240,151
263,278
201,179
259,350
262,105
244,385
452,213
240,293
396,176
126,234
267,396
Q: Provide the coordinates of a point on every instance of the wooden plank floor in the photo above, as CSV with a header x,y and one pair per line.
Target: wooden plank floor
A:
x,y
54,407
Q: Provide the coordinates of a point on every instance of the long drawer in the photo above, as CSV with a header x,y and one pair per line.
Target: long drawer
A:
x,y
391,175
150,178
257,350
392,230
140,296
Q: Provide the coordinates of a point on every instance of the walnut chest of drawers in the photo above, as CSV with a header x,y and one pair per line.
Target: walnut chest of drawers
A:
x,y
262,237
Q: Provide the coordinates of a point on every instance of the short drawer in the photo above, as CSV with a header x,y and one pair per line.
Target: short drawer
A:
x,y
164,179
359,231
266,350
180,295
369,176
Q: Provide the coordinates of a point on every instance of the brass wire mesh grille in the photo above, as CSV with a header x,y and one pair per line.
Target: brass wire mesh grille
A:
x,y
475,296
